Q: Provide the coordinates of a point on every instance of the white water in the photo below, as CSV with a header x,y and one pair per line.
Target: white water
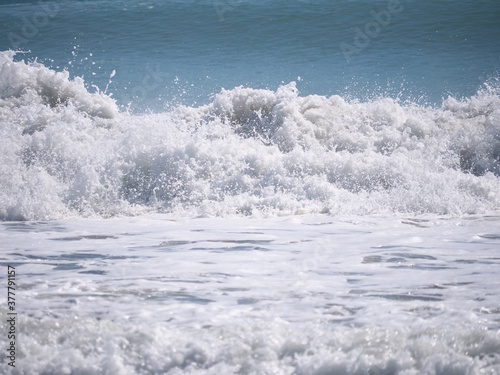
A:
x,y
66,152
307,294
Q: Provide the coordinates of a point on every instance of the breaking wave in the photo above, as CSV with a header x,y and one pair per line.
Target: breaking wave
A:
x,y
69,152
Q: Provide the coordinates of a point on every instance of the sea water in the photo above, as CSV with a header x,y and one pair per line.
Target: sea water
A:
x,y
250,187
295,295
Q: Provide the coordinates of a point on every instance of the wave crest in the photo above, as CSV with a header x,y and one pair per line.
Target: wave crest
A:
x,y
249,151
23,84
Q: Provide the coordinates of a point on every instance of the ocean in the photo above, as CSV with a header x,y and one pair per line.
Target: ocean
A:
x,y
302,187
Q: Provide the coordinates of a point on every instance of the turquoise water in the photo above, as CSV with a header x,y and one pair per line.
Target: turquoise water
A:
x,y
170,52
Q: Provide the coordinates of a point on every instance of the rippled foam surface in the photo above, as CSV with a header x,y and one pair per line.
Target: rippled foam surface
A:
x,y
301,295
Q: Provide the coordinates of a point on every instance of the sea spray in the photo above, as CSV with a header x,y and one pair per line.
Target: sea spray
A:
x,y
66,151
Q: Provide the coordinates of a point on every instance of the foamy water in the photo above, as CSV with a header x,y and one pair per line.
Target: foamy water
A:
x,y
68,152
250,187
310,294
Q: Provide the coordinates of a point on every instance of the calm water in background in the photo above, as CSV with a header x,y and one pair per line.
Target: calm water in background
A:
x,y
168,52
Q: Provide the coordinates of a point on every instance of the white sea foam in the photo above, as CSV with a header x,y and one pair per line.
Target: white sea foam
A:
x,y
29,85
308,294
258,346
67,152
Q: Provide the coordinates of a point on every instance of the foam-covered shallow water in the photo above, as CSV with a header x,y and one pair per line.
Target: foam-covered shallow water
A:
x,y
68,152
309,294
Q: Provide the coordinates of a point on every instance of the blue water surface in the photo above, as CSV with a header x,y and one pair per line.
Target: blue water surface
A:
x,y
168,52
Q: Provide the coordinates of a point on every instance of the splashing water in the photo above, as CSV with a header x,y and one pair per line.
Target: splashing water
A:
x,y
68,152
